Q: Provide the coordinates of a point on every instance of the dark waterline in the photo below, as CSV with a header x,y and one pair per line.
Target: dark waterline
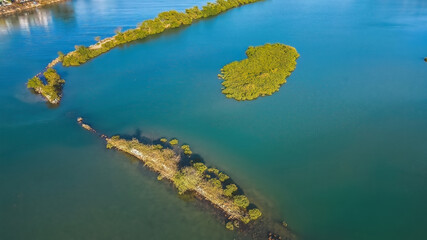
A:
x,y
340,151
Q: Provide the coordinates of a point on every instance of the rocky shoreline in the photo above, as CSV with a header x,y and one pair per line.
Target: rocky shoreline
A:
x,y
21,7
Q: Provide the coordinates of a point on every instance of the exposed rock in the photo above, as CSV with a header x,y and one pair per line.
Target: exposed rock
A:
x,y
272,236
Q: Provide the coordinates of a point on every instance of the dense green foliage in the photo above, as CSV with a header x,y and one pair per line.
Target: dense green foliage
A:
x,y
254,214
186,149
173,142
213,170
201,167
223,177
165,20
241,201
52,90
229,226
230,189
261,74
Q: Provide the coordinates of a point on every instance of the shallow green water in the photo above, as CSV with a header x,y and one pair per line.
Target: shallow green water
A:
x,y
340,151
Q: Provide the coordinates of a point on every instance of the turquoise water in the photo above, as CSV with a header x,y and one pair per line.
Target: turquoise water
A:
x,y
340,151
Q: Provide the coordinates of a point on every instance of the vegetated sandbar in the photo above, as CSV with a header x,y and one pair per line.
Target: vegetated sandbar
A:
x,y
165,20
189,175
52,89
24,6
261,74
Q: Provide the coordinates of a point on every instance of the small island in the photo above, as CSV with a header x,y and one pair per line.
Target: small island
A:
x,y
164,21
261,74
209,184
188,175
52,89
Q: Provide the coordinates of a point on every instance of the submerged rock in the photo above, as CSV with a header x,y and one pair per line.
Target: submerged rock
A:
x,y
272,236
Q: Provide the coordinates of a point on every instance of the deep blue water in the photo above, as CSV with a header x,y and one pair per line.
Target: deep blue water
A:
x,y
340,152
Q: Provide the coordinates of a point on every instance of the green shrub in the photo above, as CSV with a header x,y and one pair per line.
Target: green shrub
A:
x,y
35,83
200,167
163,140
215,182
186,149
229,226
241,201
174,19
173,141
194,12
230,189
254,214
222,177
245,220
158,147
213,170
152,27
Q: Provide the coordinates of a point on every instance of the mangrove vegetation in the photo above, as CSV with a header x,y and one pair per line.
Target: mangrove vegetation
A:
x,y
51,89
261,74
164,21
188,175
207,183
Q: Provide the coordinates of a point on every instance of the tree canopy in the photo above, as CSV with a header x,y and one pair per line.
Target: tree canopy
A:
x,y
261,74
52,89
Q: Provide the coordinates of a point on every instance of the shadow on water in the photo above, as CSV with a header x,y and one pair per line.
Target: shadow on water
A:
x,y
138,136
